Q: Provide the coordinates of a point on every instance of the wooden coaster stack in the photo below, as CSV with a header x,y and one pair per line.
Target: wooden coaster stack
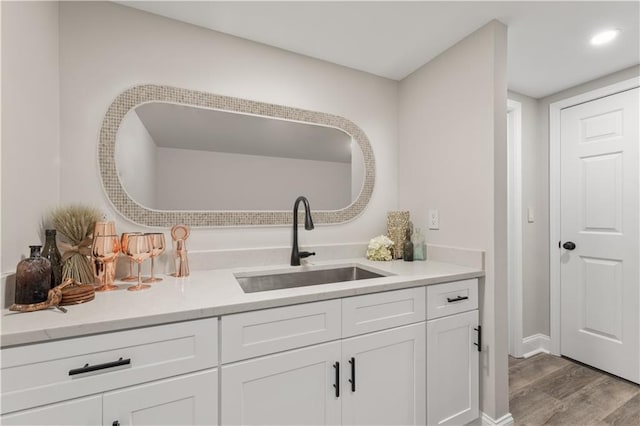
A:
x,y
75,294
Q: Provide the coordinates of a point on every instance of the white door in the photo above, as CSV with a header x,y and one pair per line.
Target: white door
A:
x,y
452,369
289,388
191,399
384,377
600,315
77,412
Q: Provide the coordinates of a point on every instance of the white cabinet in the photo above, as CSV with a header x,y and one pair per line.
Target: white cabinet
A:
x,y
77,412
384,377
190,399
452,369
290,388
135,377
314,385
404,357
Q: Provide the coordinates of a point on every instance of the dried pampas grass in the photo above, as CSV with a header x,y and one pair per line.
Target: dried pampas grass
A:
x,y
76,223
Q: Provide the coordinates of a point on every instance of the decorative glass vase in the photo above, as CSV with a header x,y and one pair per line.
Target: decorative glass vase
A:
x,y
50,251
397,224
33,278
419,246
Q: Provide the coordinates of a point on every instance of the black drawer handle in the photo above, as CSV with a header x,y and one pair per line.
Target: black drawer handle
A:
x,y
336,385
88,368
456,299
352,380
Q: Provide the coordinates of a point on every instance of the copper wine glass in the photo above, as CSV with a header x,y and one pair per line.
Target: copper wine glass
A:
x,y
105,249
157,248
123,243
109,266
138,249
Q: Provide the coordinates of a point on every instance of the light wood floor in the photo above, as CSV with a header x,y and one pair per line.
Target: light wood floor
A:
x,y
548,390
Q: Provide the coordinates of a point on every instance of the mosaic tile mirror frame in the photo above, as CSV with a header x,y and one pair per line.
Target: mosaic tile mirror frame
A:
x,y
140,214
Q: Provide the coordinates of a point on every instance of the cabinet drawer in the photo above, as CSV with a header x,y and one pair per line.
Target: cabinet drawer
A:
x,y
378,311
48,372
251,334
451,298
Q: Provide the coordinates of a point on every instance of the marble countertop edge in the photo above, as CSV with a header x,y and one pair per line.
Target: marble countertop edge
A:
x,y
210,294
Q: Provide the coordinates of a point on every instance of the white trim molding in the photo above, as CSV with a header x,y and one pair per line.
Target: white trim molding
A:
x,y
555,234
514,219
506,420
536,344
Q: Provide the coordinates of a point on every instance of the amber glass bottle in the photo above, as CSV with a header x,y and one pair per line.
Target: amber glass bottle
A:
x,y
33,278
50,251
407,246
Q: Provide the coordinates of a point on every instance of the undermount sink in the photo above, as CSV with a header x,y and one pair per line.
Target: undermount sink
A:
x,y
280,280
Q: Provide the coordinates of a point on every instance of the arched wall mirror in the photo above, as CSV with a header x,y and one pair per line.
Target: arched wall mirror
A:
x,y
169,155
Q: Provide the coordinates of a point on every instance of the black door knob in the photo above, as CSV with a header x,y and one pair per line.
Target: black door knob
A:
x,y
569,245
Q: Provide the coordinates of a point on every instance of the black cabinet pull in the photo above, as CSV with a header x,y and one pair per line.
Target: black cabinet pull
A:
x,y
115,423
479,344
569,245
456,299
88,368
336,385
352,380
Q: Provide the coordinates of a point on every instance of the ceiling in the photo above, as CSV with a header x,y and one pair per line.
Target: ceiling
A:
x,y
548,50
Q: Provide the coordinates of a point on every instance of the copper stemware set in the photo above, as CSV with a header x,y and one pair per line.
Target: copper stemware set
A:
x,y
136,246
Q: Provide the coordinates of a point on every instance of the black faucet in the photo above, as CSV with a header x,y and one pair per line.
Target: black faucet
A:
x,y
308,225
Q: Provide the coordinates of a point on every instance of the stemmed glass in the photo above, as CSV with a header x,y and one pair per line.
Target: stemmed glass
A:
x,y
123,243
105,271
138,249
157,248
105,249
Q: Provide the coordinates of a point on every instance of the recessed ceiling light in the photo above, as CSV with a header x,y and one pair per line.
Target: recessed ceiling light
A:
x,y
604,37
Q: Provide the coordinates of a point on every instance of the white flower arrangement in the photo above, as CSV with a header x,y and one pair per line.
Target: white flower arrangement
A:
x,y
379,248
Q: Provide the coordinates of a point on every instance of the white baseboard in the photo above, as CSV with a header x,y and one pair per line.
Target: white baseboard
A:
x,y
506,420
536,344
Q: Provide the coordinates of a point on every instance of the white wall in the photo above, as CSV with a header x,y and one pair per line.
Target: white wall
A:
x,y
30,124
106,48
136,160
452,156
357,170
535,236
224,181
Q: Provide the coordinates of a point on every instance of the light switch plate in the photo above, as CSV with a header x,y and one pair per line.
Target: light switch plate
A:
x,y
434,219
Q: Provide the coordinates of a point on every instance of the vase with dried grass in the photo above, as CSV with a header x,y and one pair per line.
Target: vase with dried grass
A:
x,y
76,223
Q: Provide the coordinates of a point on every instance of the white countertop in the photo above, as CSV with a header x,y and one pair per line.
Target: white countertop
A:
x,y
211,293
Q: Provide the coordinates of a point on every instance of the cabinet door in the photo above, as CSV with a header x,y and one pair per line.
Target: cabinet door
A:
x,y
452,369
191,399
80,412
389,374
290,388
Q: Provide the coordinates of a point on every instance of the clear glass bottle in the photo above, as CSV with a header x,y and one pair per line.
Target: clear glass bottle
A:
x,y
50,251
33,278
407,247
419,246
